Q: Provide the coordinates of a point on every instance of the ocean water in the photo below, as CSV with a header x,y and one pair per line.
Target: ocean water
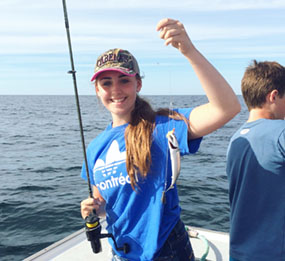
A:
x,y
40,162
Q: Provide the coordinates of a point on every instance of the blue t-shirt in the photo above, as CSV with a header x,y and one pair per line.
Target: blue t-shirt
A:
x,y
256,172
138,218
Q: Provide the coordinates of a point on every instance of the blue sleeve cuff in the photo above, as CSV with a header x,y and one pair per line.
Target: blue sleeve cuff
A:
x,y
194,145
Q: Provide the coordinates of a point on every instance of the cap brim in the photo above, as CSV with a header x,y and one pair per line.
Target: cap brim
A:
x,y
111,69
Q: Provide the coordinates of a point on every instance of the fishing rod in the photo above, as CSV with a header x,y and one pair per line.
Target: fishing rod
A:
x,y
73,73
92,221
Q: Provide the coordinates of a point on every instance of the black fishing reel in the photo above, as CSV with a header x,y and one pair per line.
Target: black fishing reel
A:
x,y
93,233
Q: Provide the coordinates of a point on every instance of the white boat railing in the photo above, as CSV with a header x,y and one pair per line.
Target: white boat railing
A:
x,y
75,247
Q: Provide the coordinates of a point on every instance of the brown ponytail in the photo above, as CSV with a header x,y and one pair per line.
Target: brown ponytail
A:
x,y
138,136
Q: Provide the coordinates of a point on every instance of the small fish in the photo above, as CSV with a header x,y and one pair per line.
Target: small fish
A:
x,y
174,157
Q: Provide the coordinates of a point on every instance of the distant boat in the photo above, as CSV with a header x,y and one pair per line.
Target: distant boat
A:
x,y
208,245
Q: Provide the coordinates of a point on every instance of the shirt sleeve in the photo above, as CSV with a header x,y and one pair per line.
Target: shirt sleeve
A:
x,y
281,143
186,146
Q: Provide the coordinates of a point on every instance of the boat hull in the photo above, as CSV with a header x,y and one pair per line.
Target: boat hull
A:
x,y
76,247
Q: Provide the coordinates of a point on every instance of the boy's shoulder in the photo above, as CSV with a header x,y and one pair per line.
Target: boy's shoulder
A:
x,y
261,127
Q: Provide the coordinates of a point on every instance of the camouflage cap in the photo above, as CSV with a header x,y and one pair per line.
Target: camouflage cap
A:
x,y
116,60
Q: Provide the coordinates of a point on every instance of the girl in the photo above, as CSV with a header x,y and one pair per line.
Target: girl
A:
x,y
129,162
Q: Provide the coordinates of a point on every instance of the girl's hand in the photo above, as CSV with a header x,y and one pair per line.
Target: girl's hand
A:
x,y
87,205
174,33
223,104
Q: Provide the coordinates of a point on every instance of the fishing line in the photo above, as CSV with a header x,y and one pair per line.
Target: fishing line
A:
x,y
163,197
73,73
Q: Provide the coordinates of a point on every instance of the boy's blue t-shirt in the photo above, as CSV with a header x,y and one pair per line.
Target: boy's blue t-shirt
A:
x,y
256,172
138,218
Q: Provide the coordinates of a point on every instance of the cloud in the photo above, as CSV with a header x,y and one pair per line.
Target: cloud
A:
x,y
38,26
194,5
146,39
33,31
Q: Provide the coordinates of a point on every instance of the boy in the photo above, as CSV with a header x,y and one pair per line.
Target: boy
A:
x,y
256,168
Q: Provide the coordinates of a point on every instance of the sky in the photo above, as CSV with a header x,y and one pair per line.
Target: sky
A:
x,y
34,56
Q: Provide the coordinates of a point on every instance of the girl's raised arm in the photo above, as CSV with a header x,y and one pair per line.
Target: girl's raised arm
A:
x,y
223,104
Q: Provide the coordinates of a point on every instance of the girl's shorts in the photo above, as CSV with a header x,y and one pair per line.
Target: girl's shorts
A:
x,y
176,248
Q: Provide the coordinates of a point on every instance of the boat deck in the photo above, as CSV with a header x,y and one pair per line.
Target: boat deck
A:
x,y
76,247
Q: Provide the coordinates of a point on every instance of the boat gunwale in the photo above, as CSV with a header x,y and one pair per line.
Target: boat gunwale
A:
x,y
79,236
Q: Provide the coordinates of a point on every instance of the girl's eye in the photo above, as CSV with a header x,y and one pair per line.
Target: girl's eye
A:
x,y
106,83
125,81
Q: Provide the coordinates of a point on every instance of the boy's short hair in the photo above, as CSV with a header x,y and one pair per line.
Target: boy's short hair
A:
x,y
260,78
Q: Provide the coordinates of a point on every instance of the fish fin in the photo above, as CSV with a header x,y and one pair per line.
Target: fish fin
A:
x,y
170,133
163,198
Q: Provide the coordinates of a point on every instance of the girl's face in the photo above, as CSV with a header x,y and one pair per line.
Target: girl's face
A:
x,y
118,94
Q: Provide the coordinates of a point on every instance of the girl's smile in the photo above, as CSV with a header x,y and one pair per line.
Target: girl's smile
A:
x,y
118,92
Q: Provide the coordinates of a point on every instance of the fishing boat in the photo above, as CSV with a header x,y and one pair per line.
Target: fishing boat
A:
x,y
208,245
